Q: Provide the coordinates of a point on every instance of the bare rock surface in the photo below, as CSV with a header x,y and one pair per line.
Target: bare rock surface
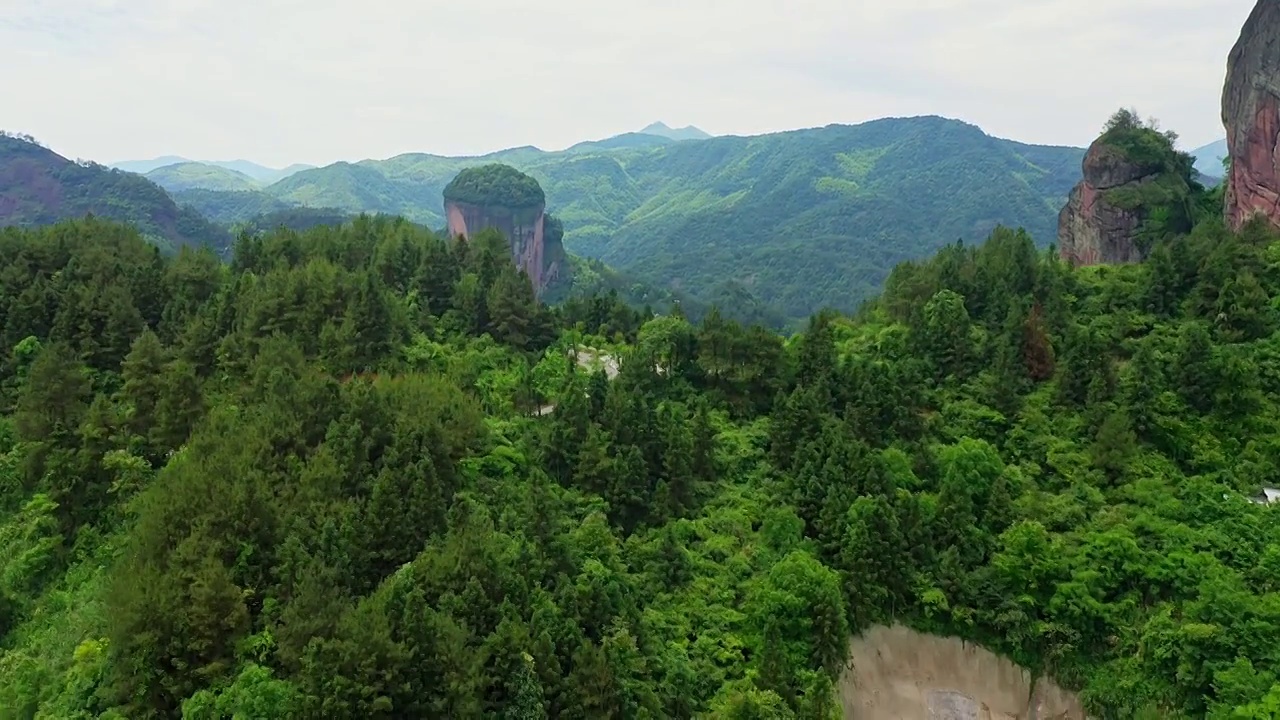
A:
x,y
1091,229
1251,115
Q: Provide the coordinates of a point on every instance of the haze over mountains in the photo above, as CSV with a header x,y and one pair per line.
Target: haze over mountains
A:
x,y
1209,157
688,132
259,173
790,221
796,220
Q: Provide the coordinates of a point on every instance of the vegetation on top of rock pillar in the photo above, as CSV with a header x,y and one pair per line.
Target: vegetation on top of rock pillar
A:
x,y
495,185
1165,192
1145,145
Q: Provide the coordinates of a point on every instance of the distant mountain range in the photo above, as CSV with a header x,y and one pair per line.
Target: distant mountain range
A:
x,y
183,174
1209,158
259,174
789,221
688,132
798,219
199,176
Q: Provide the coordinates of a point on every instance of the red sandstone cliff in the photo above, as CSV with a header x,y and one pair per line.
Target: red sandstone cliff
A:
x,y
523,228
1251,114
1091,229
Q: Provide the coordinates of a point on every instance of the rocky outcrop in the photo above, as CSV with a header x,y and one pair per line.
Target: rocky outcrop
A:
x,y
1093,227
500,197
1251,114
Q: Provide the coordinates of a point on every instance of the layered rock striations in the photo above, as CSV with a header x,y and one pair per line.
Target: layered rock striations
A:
x,y
1090,229
1251,114
503,198
1135,188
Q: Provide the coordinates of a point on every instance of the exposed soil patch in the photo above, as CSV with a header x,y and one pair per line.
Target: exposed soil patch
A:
x,y
896,673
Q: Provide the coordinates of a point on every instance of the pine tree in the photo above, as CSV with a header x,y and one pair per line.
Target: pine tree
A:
x,y
1163,289
1114,444
527,702
436,276
816,363
946,333
1195,372
775,673
1244,311
512,310
143,375
54,398
179,408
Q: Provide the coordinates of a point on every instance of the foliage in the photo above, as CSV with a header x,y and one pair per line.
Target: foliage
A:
x,y
495,186
796,220
39,187
358,472
229,206
194,175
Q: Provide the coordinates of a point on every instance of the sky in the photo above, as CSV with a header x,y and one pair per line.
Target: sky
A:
x,y
316,81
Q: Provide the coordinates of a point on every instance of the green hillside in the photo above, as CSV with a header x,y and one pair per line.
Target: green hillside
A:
x,y
799,219
40,187
355,474
364,187
194,175
230,207
260,174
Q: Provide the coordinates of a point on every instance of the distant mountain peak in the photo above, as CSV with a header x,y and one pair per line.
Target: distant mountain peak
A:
x,y
258,173
687,132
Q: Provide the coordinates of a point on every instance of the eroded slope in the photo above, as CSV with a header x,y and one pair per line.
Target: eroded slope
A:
x,y
895,673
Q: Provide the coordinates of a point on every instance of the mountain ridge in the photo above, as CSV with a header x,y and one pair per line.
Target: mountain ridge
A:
x,y
634,205
259,173
1209,157
688,132
40,187
200,176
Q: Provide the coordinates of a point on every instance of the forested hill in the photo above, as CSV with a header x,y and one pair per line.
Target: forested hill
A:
x,y
39,187
192,176
308,484
800,219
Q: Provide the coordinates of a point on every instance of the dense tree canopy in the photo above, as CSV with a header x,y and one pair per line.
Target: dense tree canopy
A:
x,y
358,472
495,185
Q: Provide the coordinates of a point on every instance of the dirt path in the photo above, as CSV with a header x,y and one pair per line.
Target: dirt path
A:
x,y
895,673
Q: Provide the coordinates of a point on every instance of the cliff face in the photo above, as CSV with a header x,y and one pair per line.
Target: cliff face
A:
x,y
1093,228
524,228
1251,114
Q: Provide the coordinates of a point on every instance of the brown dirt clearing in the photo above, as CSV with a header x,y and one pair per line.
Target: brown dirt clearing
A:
x,y
895,673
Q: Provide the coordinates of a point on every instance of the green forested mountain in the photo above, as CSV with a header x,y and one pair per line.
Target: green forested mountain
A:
x,y
362,187
357,473
142,167
230,207
798,219
199,176
40,187
260,174
620,142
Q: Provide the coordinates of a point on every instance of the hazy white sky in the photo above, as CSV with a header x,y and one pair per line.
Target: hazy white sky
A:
x,y
282,81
